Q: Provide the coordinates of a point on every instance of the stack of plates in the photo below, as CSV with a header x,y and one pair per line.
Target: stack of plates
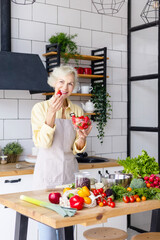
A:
x,y
31,159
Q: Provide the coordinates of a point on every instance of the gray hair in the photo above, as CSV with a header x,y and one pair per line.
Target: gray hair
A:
x,y
61,71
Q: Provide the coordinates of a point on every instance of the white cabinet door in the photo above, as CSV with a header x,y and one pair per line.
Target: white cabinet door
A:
x,y
14,184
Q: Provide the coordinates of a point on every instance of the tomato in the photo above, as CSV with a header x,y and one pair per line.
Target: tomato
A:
x,y
136,196
109,199
59,92
101,190
87,200
148,185
95,192
131,199
112,204
109,203
138,199
104,194
126,199
98,191
143,198
101,204
129,189
104,202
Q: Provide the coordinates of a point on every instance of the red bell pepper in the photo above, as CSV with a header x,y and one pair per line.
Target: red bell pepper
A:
x,y
76,202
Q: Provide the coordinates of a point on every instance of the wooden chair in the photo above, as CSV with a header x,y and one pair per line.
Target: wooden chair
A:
x,y
147,236
105,233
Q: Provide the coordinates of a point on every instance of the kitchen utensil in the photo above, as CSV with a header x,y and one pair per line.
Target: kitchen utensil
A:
x,y
20,166
86,89
87,71
115,179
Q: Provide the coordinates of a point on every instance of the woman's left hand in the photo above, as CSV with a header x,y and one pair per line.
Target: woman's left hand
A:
x,y
85,132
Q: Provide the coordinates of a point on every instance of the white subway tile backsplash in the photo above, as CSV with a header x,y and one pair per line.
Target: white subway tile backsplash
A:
x,y
21,46
119,76
94,23
17,129
21,11
101,39
124,59
83,36
39,48
52,29
124,126
115,58
1,130
14,28
68,17
38,96
119,110
27,146
1,93
63,3
106,147
119,143
111,24
89,144
114,156
124,26
21,94
109,73
124,93
113,127
8,109
123,11
115,92
45,13
25,108
81,5
32,30
119,42
124,155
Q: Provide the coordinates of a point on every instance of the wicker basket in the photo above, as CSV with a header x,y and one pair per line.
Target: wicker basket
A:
x,y
12,158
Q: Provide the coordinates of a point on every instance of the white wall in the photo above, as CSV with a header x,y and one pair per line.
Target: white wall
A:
x,y
32,26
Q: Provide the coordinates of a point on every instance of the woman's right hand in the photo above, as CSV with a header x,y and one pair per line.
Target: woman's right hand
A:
x,y
56,103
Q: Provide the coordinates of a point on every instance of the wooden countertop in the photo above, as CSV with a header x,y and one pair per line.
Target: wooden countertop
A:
x,y
86,217
10,168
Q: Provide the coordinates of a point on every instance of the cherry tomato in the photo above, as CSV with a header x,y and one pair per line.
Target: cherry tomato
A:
x,y
143,198
129,189
148,185
112,204
104,194
126,199
95,192
101,204
109,203
136,196
131,199
101,190
138,199
109,199
104,202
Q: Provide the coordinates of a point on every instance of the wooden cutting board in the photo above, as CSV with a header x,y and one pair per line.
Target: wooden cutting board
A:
x,y
84,217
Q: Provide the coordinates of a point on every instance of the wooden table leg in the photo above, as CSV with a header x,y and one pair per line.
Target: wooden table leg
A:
x,y
155,221
21,227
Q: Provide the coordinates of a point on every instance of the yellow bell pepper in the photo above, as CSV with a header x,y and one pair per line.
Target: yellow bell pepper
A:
x,y
84,192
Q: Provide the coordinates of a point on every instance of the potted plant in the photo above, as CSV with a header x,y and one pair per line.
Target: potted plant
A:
x,y
102,108
12,150
67,45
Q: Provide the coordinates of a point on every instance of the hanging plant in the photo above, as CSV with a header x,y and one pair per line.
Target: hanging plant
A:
x,y
102,108
67,45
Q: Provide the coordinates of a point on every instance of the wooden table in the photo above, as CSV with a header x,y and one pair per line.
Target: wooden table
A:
x,y
85,217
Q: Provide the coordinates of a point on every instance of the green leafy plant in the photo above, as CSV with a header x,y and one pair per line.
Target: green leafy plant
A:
x,y
140,166
67,45
12,148
102,108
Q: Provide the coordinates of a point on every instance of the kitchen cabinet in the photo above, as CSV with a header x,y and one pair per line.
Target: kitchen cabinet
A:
x,y
98,59
13,184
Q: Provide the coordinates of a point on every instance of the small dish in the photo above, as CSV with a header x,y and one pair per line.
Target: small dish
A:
x,y
30,160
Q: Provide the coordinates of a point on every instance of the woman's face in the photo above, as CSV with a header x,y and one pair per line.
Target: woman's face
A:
x,y
65,84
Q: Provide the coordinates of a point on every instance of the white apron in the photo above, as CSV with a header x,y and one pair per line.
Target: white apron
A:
x,y
56,165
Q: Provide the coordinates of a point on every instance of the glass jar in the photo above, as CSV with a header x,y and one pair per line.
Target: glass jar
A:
x,y
82,179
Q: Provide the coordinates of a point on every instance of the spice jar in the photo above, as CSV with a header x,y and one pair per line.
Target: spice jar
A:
x,y
82,179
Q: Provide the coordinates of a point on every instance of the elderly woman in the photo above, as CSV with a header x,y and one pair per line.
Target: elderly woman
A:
x,y
56,138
